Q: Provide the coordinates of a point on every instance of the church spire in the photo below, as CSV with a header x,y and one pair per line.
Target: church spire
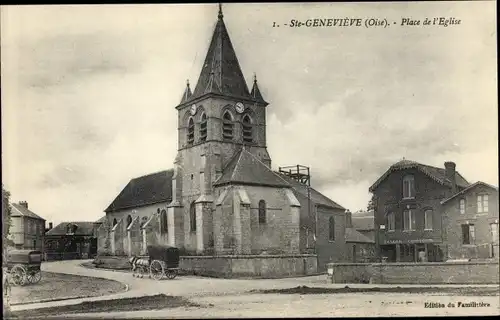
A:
x,y
187,93
221,72
220,16
256,95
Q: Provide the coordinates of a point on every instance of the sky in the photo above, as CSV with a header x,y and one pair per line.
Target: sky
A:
x,y
89,94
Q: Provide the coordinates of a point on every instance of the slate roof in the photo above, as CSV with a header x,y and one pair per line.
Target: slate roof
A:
x,y
316,196
468,189
221,72
148,189
246,169
84,228
351,235
437,174
21,211
363,221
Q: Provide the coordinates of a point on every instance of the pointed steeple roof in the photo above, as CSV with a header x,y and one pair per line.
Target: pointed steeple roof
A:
x,y
221,72
255,93
246,169
187,93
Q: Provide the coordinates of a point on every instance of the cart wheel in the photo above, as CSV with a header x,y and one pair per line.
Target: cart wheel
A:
x,y
171,274
18,275
156,270
34,277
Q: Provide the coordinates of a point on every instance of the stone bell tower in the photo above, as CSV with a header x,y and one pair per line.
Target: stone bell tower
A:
x,y
215,121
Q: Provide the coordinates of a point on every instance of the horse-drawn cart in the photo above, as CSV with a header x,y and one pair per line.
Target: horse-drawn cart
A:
x,y
162,261
23,266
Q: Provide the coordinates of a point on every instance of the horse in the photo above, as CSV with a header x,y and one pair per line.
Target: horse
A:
x,y
140,266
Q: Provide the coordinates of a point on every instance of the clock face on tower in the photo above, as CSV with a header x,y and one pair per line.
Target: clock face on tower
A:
x,y
193,110
240,107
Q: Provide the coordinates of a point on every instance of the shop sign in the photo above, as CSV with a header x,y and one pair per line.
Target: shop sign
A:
x,y
399,241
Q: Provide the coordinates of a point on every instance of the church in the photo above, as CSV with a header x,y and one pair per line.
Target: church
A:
x,y
221,198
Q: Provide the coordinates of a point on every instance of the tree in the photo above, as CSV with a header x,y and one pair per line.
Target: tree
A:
x,y
5,234
372,203
5,221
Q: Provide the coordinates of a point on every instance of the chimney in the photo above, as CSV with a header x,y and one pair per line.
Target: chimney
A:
x,y
348,219
24,204
450,170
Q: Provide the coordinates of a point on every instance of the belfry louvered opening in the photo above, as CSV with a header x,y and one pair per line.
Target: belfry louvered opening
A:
x,y
227,126
190,135
247,129
203,128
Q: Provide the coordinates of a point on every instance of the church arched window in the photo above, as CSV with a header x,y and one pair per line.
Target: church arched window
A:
x,y
192,216
203,127
129,221
164,221
247,129
190,135
227,126
262,212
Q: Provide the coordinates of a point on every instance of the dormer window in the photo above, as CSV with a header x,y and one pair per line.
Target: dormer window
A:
x,y
70,229
203,127
227,126
408,187
247,129
190,135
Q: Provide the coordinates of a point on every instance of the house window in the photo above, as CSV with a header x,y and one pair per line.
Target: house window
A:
x,y
262,212
129,221
190,135
114,222
461,206
468,234
391,221
34,244
164,221
192,216
482,203
247,129
408,220
227,126
203,127
408,187
331,227
428,219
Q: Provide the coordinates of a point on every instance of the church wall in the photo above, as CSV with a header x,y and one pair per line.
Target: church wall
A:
x,y
143,213
277,233
327,250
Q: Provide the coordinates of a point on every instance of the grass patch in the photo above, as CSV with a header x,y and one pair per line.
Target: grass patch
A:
x,y
61,286
156,302
462,291
112,262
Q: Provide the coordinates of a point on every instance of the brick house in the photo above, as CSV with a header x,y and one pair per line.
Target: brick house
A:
x,y
222,197
27,229
471,219
408,210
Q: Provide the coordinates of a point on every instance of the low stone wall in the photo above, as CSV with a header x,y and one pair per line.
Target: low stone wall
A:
x,y
261,266
474,272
